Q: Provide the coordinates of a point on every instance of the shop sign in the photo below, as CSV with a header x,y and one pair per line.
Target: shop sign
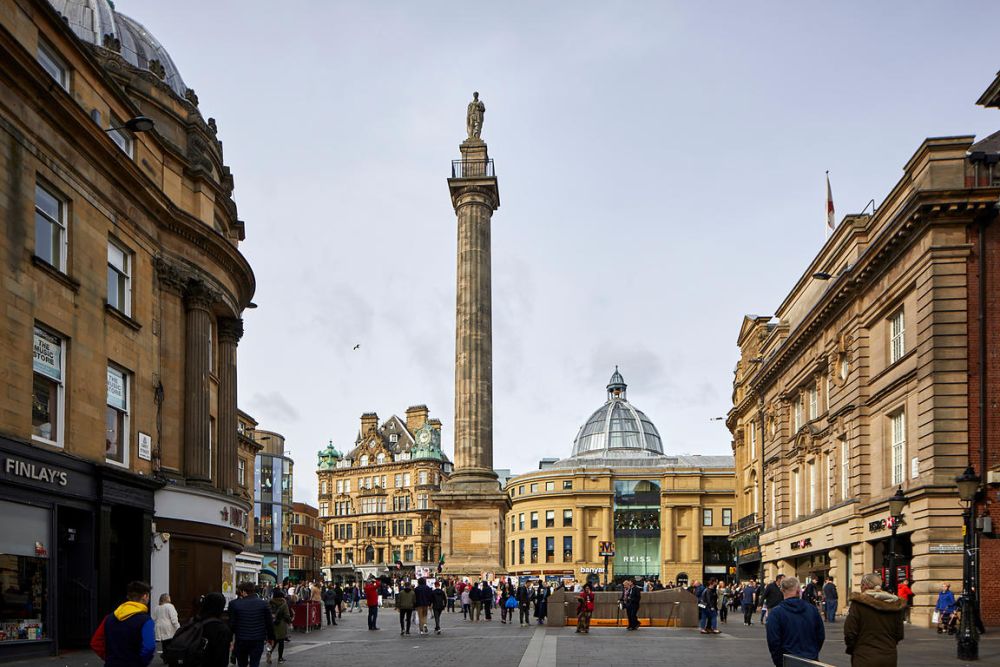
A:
x,y
606,549
34,472
116,389
47,355
884,524
802,544
748,554
955,548
591,570
234,516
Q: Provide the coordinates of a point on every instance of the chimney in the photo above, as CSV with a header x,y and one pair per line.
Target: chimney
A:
x,y
416,417
369,422
435,424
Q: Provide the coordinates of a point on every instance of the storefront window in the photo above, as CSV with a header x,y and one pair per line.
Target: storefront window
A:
x,y
24,567
637,528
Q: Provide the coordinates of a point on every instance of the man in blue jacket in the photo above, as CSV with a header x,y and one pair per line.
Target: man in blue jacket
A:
x,y
252,625
794,627
126,638
425,598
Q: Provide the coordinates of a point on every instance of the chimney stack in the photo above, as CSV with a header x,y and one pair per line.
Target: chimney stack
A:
x,y
369,422
416,417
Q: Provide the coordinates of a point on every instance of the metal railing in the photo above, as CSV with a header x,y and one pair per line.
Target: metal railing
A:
x,y
472,169
749,521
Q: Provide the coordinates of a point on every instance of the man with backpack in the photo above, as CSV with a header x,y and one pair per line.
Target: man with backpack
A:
x,y
252,625
205,640
127,638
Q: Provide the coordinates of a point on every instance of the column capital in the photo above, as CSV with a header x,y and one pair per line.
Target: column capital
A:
x,y
230,329
199,296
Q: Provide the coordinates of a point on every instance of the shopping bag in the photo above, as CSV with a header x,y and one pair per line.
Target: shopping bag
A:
x,y
935,618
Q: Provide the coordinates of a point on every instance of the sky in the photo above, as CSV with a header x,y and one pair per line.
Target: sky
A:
x,y
661,169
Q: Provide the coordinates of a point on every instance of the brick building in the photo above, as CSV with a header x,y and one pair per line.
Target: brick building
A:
x,y
307,544
121,289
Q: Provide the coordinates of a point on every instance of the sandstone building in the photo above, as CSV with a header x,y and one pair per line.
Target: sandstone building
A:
x,y
668,516
307,544
122,288
859,386
375,502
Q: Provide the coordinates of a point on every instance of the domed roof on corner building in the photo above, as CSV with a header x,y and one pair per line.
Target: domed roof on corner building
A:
x,y
617,429
96,22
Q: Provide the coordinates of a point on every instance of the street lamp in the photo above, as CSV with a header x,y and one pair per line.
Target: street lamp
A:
x,y
137,124
896,503
968,636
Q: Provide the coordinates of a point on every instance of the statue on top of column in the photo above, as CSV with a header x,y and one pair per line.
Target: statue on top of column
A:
x,y
474,117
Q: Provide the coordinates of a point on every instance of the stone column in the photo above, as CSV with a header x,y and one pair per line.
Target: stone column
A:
x,y
474,196
226,451
696,540
581,536
197,357
667,534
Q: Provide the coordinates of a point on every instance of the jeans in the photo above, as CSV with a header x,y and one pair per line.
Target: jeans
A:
x,y
331,615
709,619
437,620
451,604
748,613
405,618
248,652
830,607
466,611
372,618
524,614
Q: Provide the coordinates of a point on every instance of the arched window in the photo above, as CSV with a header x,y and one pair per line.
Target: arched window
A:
x,y
325,488
682,579
364,459
380,459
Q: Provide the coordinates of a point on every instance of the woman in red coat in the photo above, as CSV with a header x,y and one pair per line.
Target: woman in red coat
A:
x,y
584,609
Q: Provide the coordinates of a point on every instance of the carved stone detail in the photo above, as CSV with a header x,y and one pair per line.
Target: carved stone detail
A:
x,y
191,96
230,329
157,68
111,43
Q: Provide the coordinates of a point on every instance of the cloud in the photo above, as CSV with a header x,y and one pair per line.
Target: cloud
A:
x,y
272,407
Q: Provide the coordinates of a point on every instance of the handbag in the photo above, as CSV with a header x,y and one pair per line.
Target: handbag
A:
x,y
936,617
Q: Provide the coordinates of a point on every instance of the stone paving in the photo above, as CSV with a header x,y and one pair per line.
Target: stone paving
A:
x,y
489,644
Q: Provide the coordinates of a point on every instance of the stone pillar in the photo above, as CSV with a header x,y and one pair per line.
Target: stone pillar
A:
x,y
667,534
581,537
197,360
227,451
471,501
696,539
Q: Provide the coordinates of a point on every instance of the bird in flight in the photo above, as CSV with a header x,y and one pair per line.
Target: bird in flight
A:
x,y
357,346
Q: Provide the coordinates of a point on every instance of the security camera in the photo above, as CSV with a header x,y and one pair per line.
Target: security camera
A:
x,y
165,537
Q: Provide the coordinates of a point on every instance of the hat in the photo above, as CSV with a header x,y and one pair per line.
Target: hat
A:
x,y
213,604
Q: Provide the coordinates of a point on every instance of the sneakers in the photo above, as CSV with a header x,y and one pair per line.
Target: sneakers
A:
x,y
437,631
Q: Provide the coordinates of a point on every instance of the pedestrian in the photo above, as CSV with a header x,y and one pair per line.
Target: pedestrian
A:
x,y
523,603
282,616
439,601
811,592
251,623
467,603
330,605
724,595
541,600
371,601
487,600
630,600
214,631
772,596
874,625
945,607
355,598
127,637
830,600
794,627
747,601
710,609
425,600
165,621
476,597
406,601
584,609
906,593
452,596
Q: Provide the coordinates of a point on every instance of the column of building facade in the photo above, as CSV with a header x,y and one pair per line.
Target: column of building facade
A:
x,y
696,539
667,534
197,367
230,332
581,555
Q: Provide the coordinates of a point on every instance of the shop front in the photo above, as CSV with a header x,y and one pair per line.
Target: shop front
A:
x,y
73,532
198,534
879,539
248,566
748,556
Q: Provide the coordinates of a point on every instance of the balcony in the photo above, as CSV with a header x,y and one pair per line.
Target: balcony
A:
x,y
749,521
472,169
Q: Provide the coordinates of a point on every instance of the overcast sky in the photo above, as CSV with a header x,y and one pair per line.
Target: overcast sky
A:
x,y
661,169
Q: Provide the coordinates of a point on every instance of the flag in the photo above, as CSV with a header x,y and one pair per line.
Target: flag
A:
x,y
830,220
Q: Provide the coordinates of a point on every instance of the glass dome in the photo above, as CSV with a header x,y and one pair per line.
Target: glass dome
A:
x,y
617,428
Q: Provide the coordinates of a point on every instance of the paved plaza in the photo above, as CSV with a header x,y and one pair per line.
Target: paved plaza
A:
x,y
492,644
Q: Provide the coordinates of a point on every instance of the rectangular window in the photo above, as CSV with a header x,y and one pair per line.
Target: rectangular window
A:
x,y
567,484
774,503
534,488
813,402
727,516
534,549
813,486
347,486
567,549
550,518
706,517
48,387
340,486
513,523
323,507
550,549
520,521
50,228
797,490
845,470
567,518
897,344
241,472
753,440
520,552
798,412
513,552
422,477
898,446
406,479
120,136
408,554
422,501
53,64
550,486
116,417
119,278
398,480
520,490
534,519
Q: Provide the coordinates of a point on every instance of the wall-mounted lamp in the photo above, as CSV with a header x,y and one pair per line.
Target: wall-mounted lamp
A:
x,y
137,124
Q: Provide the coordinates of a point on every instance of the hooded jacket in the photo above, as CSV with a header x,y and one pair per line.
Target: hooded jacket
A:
x,y
406,599
425,595
796,628
873,627
128,635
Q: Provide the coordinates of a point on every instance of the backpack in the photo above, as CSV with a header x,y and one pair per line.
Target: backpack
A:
x,y
187,648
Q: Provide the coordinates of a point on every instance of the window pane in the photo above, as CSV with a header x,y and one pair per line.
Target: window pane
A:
x,y
114,426
44,397
47,203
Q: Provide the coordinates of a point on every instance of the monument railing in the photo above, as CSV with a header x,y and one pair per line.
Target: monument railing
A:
x,y
472,169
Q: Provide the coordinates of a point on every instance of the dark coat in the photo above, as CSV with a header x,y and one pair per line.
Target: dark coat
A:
x,y
772,595
523,596
440,599
796,628
250,619
218,636
829,591
425,595
873,627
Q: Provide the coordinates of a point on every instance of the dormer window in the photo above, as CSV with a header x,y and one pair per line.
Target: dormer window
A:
x,y
380,459
393,438
364,460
